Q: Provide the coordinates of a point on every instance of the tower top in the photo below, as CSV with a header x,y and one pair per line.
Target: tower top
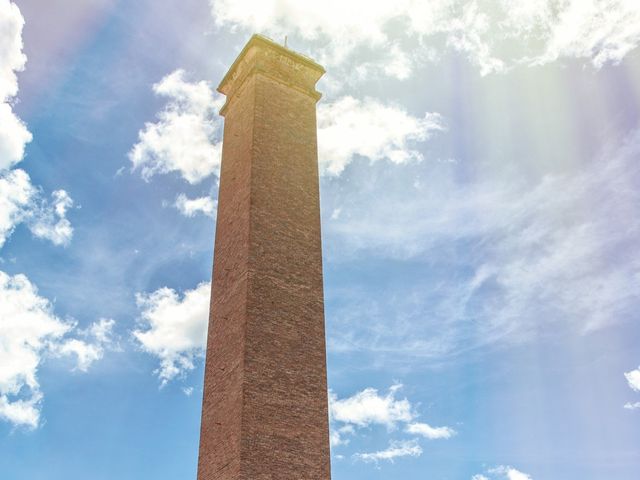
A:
x,y
264,56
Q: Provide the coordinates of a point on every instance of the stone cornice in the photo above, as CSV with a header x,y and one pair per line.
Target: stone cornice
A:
x,y
263,56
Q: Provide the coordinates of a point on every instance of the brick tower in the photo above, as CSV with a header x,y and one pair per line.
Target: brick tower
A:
x,y
264,413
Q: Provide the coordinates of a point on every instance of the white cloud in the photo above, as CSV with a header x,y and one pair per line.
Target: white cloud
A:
x,y
29,331
509,473
349,127
502,472
12,59
633,378
369,408
408,448
27,327
99,336
190,207
16,195
430,432
338,435
21,202
13,137
13,132
495,35
22,412
184,139
174,328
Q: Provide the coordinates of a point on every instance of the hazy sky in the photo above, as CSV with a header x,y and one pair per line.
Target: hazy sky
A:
x,y
480,191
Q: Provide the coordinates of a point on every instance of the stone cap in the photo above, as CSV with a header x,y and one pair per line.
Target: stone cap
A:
x,y
263,55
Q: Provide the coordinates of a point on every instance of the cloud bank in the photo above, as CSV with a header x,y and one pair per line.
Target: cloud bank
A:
x,y
20,201
495,35
29,329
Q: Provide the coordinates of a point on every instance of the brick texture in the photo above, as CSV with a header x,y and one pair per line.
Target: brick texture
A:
x,y
264,414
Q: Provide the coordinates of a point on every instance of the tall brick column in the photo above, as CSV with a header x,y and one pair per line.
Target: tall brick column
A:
x,y
264,413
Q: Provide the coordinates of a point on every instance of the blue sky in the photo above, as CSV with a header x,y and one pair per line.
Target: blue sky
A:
x,y
480,206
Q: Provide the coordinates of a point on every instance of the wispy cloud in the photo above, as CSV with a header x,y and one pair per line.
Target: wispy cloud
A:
x,y
561,250
396,449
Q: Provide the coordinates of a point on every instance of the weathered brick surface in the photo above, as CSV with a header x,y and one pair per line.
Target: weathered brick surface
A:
x,y
265,397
